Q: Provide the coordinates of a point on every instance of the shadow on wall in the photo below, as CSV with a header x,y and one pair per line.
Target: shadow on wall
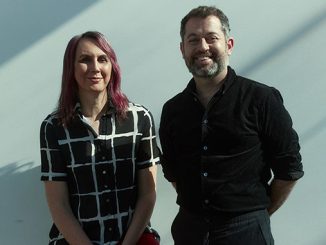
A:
x,y
311,24
23,208
313,131
25,22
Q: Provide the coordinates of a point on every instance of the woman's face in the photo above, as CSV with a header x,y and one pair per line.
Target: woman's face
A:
x,y
92,68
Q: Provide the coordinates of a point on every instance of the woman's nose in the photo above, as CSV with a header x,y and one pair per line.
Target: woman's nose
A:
x,y
95,66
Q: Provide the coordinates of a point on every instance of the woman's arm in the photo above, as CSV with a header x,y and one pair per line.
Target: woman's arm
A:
x,y
58,202
144,206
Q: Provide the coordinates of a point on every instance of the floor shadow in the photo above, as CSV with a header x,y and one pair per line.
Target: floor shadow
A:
x,y
23,22
24,215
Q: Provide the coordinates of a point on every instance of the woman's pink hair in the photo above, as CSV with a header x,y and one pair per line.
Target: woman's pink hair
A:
x,y
69,89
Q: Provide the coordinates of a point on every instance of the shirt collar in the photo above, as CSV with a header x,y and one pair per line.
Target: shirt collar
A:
x,y
228,81
110,108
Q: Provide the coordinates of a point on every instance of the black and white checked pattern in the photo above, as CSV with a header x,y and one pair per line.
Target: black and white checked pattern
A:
x,y
100,170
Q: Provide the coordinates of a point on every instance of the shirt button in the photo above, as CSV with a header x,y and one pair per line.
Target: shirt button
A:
x,y
205,148
103,157
106,186
110,229
205,174
107,200
103,172
206,201
205,121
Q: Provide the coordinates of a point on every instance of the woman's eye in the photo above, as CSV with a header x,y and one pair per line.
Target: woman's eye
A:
x,y
103,59
84,60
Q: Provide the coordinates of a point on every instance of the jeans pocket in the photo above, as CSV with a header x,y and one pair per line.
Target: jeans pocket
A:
x,y
265,228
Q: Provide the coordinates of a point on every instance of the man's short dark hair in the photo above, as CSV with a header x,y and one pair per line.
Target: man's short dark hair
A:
x,y
203,12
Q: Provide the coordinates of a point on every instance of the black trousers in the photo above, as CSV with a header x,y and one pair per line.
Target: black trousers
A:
x,y
251,228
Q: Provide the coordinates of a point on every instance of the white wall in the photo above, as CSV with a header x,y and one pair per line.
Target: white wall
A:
x,y
280,43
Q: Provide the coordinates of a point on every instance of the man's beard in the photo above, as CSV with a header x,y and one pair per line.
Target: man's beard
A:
x,y
210,71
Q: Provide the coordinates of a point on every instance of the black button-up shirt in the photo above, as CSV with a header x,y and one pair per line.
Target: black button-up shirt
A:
x,y
100,170
221,157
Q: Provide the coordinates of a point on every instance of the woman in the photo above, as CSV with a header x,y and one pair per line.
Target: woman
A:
x,y
98,152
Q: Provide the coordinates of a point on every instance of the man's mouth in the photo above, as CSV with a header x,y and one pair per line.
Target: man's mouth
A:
x,y
203,60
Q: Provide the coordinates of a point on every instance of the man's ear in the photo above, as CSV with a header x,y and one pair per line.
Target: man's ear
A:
x,y
230,45
182,49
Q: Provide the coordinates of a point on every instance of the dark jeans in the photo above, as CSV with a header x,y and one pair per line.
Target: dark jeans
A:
x,y
251,228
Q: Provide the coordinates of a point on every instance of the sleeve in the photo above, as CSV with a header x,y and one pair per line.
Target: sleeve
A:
x,y
168,156
279,140
148,152
52,164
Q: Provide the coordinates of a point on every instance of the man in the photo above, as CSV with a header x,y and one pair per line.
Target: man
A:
x,y
223,138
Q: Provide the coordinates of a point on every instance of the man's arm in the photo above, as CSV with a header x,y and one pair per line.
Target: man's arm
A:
x,y
167,157
280,190
281,148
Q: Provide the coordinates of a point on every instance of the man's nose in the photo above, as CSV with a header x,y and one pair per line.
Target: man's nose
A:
x,y
203,45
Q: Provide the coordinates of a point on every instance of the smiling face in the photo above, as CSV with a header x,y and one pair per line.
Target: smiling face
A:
x,y
92,68
205,48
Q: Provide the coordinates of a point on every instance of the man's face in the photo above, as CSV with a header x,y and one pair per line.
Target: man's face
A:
x,y
205,48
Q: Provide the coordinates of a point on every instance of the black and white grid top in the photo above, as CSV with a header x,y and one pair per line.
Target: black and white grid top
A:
x,y
100,170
